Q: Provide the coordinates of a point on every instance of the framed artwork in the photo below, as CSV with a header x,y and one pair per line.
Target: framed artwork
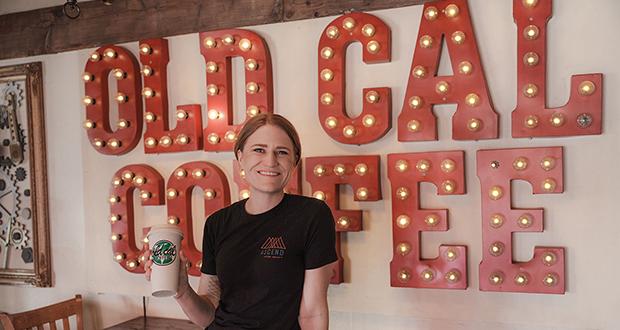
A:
x,y
24,226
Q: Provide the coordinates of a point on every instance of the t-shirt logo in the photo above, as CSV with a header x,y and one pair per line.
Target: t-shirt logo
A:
x,y
273,248
164,253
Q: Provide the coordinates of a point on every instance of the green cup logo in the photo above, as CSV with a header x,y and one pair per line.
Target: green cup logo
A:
x,y
164,253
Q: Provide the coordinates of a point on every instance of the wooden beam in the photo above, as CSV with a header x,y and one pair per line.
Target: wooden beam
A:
x,y
48,30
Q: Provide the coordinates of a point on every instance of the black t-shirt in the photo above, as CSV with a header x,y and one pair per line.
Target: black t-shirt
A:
x,y
260,260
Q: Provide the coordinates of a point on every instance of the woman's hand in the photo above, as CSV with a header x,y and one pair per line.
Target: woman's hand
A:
x,y
183,280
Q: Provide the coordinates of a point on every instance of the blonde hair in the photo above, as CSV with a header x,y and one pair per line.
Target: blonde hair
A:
x,y
263,119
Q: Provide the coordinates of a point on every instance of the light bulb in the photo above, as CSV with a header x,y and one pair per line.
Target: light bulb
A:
x,y
458,37
452,10
403,221
319,195
150,142
418,71
431,220
448,186
551,279
165,141
423,165
496,278
348,23
116,237
327,75
426,41
230,136
180,173
145,195
173,220
496,249
109,53
361,169
228,39
403,248
149,117
549,258
453,276
245,44
530,3
404,275
402,193
531,32
496,192
139,180
531,121
148,92
520,163
213,138
530,90
548,163
496,221
447,165
145,49
209,42
401,165
212,67
319,170
252,111
198,173
209,194
117,182
521,279
465,67
251,64
344,222
474,124
530,58
372,97
427,275
88,100
327,98
121,98
212,89
586,88
472,99
89,124
171,193
373,46
340,169
87,76
368,30
525,220
147,71
95,57
119,74
557,119
414,126
362,193
451,254
442,87
368,120
548,185
332,32
114,143
331,122
415,102
430,13
327,53
99,143
114,218
349,131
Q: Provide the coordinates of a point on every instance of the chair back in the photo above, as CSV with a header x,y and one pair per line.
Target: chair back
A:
x,y
46,315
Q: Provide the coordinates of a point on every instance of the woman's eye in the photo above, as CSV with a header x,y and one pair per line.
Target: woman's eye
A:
x,y
261,150
283,153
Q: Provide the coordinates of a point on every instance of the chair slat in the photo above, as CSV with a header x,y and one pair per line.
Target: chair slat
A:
x,y
52,325
65,323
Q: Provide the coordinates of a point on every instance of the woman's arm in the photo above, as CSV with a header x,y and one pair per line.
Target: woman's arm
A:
x,y
200,306
313,312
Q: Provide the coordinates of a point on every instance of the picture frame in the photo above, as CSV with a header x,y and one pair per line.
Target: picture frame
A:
x,y
25,257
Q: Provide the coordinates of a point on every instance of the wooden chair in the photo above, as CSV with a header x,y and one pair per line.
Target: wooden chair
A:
x,y
45,315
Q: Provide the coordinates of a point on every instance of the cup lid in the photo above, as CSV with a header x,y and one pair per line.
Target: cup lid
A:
x,y
165,227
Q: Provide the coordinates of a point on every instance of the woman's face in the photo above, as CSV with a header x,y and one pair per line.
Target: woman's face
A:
x,y
268,158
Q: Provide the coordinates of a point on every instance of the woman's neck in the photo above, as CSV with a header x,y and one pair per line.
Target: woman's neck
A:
x,y
262,202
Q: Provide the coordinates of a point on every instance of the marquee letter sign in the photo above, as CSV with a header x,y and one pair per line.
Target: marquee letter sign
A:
x,y
217,48
376,117
474,118
582,113
446,171
325,174
543,169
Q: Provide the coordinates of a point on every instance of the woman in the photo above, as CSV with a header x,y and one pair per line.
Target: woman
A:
x,y
267,260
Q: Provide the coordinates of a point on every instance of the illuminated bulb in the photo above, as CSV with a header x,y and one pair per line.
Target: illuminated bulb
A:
x,y
180,173
327,53
171,193
165,141
251,64
496,278
119,256
319,170
147,71
149,117
531,121
520,163
402,193
114,143
550,279
331,122
452,10
453,276
368,120
494,164
496,193
403,221
427,275
213,138
339,169
368,30
121,98
548,184
361,169
148,92
252,111
228,39
212,67
132,264
418,71
362,193
89,124
209,42
404,275
414,126
525,221
332,32
95,57
139,180
586,88
319,195
145,49
244,194
530,90
116,237
448,186
251,88
344,222
442,87
401,165
557,119
451,255
403,248
198,173
348,23
423,165
472,99
474,124
415,102
530,3
99,143
327,98
349,131
119,74
114,218
549,258
465,67
145,195
373,46
496,249
530,59
431,220
458,37
426,41
88,100
87,76
521,279
213,114
181,114
531,32
430,13
117,182
327,75
230,136
150,142
109,53
128,175
496,221
372,97
245,44
548,163
209,193
448,165
212,90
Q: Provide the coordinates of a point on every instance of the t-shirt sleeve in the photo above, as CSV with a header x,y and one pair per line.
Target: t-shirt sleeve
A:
x,y
321,240
208,247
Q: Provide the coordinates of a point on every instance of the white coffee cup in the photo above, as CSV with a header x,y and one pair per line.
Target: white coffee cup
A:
x,y
165,246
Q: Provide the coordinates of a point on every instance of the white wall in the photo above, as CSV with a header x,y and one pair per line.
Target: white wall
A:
x,y
581,219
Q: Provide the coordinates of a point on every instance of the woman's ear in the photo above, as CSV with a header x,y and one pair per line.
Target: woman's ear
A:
x,y
239,155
